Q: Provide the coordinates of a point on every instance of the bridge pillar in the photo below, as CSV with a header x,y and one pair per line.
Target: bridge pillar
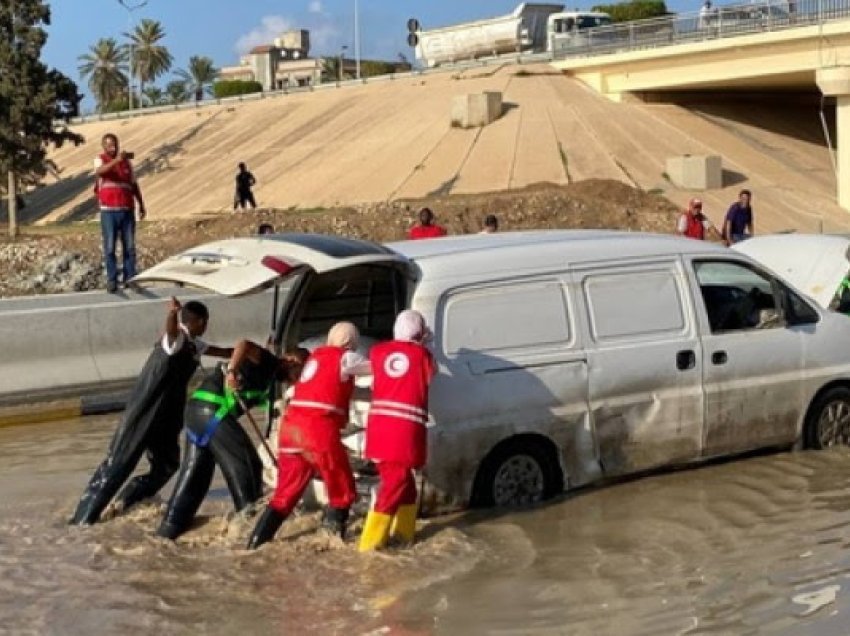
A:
x,y
835,82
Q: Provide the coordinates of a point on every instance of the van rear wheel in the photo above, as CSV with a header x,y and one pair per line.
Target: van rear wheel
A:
x,y
828,420
517,473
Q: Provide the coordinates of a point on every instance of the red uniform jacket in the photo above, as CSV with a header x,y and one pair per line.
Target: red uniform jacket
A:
x,y
396,429
426,231
695,228
115,188
319,405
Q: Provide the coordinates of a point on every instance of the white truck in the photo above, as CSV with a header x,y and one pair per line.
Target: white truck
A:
x,y
525,29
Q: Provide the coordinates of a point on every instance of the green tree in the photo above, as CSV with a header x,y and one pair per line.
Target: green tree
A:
x,y
633,10
175,92
199,77
103,66
32,97
153,95
150,58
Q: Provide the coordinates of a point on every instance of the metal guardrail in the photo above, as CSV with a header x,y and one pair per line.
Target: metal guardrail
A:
x,y
513,58
707,24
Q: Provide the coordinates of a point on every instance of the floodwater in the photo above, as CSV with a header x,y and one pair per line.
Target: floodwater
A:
x,y
755,546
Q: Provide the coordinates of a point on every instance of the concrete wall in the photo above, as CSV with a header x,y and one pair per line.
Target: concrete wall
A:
x,y
81,343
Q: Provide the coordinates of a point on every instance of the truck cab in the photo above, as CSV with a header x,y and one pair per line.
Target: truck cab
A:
x,y
569,29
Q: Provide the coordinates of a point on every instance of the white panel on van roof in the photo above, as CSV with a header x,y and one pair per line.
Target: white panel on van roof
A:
x,y
634,304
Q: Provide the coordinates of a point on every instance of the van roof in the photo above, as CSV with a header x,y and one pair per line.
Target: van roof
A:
x,y
243,265
540,249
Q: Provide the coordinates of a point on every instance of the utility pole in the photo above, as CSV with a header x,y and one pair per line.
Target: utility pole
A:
x,y
13,205
11,190
131,6
357,38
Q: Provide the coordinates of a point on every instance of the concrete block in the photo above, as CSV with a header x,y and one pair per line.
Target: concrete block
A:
x,y
696,172
476,109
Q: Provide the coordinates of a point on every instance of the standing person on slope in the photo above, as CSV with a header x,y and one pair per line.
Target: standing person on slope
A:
x,y
117,192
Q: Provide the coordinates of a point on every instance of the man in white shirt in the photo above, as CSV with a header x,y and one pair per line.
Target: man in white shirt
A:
x,y
153,418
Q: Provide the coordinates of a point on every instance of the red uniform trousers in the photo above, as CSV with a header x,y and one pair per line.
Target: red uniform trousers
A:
x,y
397,487
296,469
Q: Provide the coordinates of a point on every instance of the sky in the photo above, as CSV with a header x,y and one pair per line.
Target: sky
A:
x,y
225,29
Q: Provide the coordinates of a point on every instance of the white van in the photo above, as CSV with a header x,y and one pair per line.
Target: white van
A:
x,y
566,357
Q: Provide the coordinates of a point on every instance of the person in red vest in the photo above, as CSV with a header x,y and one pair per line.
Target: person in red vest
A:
x,y
396,430
426,228
694,224
117,192
309,438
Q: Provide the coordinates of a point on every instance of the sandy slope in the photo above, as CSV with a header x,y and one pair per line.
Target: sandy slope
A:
x,y
393,140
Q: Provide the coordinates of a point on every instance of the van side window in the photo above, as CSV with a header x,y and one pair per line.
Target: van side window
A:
x,y
504,317
634,304
369,296
737,297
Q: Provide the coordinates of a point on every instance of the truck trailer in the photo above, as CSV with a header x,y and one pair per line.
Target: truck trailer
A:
x,y
523,30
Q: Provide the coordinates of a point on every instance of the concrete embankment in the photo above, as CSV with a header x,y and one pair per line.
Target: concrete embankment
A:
x,y
74,354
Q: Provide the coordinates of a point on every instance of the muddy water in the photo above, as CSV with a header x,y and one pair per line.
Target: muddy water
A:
x,y
753,546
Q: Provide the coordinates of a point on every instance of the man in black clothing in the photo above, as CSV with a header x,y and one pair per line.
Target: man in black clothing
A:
x,y
216,437
244,182
153,418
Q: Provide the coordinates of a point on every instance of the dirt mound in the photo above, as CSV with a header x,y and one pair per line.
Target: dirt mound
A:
x,y
68,259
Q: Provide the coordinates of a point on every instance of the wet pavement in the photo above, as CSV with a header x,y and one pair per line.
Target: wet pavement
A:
x,y
754,546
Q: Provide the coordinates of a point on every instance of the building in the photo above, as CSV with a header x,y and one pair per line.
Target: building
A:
x,y
286,63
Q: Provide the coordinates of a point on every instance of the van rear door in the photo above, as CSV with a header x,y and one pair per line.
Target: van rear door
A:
x,y
240,266
645,364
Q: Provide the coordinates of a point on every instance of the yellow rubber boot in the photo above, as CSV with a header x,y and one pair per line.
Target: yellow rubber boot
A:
x,y
376,531
404,523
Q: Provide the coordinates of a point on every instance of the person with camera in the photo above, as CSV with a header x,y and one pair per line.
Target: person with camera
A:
x,y
117,192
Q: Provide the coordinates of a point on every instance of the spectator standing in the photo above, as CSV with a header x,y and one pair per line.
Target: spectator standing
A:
x,y
244,182
491,224
694,224
426,227
738,225
117,192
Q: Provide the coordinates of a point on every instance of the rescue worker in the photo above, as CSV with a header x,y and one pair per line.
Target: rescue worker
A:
x,y
694,224
215,437
153,418
396,429
310,441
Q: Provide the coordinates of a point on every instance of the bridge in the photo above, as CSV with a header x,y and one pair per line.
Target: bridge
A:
x,y
785,50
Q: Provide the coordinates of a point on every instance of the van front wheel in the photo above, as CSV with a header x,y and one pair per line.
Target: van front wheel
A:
x,y
517,473
828,420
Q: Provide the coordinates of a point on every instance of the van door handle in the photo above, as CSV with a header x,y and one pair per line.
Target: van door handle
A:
x,y
685,360
719,357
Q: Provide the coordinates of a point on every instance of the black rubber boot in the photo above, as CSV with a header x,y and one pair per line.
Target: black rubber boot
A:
x,y
336,520
267,526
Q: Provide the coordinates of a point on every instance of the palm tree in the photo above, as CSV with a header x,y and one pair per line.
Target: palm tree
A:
x,y
103,66
150,59
199,76
153,95
176,92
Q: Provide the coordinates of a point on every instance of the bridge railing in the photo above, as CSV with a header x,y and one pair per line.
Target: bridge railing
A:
x,y
707,24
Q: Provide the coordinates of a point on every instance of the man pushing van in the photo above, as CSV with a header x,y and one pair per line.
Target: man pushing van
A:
x,y
154,415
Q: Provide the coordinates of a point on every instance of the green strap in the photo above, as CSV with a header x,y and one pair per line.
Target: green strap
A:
x,y
227,402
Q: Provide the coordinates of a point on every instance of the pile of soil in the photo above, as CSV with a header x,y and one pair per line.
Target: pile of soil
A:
x,y
68,258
